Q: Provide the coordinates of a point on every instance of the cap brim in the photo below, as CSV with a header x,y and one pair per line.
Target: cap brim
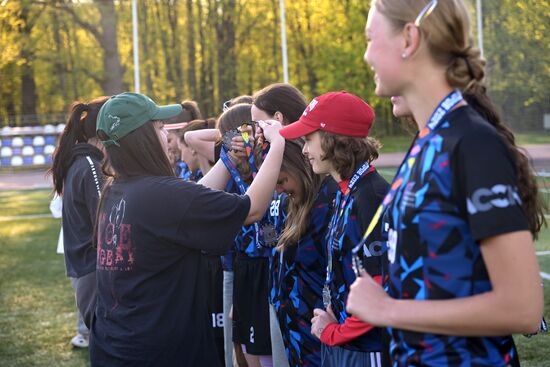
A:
x,y
296,130
165,112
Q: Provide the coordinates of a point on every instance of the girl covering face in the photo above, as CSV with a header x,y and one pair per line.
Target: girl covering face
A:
x,y
461,205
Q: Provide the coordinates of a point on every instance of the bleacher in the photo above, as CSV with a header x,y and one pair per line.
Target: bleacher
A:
x,y
28,146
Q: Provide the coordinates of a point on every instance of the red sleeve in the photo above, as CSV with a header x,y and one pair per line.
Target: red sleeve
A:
x,y
352,328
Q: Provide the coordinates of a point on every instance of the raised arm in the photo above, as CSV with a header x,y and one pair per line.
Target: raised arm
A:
x,y
203,141
262,188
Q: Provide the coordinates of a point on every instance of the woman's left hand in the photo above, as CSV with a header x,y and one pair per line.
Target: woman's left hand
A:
x,y
321,319
368,301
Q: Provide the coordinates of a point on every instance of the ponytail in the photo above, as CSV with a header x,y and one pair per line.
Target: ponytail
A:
x,y
80,127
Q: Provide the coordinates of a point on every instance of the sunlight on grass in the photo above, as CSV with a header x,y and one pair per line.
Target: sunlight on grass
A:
x,y
37,312
25,202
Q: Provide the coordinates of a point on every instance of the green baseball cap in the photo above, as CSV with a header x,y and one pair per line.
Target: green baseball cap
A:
x,y
125,112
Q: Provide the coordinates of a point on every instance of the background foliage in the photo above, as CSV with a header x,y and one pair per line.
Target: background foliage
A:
x,y
56,51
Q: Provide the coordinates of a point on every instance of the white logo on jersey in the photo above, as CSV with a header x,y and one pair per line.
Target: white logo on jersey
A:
x,y
252,334
392,244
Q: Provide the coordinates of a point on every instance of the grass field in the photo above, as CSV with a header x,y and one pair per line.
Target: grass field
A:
x,y
400,143
37,313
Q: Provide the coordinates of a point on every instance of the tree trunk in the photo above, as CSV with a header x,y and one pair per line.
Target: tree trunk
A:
x,y
227,63
275,45
167,57
28,86
59,66
176,49
145,49
191,79
112,69
207,61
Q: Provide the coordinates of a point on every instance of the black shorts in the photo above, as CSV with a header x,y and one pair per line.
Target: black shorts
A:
x,y
250,304
213,275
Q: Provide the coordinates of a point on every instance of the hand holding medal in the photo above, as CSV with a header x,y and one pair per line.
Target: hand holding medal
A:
x,y
239,142
270,130
368,301
321,319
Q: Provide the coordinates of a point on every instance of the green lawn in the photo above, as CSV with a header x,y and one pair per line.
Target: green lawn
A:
x,y
401,143
395,143
532,138
37,312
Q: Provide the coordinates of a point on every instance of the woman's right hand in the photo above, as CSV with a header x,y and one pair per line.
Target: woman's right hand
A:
x,y
271,129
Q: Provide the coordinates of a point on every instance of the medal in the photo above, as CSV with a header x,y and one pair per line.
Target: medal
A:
x,y
269,235
227,139
326,296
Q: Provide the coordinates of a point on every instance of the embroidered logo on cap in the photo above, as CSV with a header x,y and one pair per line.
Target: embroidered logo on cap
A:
x,y
323,124
115,124
310,107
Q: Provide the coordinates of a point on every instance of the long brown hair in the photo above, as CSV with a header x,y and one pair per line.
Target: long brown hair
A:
x,y
446,32
140,154
80,127
298,214
283,98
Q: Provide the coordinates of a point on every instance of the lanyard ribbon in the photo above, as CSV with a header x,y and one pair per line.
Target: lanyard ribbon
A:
x,y
340,217
249,151
236,176
403,175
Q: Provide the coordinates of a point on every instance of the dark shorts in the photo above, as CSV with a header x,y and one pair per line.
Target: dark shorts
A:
x,y
338,356
250,305
214,277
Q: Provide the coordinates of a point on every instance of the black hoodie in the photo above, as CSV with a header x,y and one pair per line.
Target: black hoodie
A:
x,y
81,192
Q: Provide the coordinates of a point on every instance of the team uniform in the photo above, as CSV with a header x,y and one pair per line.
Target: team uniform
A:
x,y
298,276
251,290
152,301
460,189
350,341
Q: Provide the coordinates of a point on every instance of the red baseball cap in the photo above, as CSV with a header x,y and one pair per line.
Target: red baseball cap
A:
x,y
340,113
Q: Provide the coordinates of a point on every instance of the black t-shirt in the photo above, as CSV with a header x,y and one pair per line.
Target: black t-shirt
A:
x,y
151,307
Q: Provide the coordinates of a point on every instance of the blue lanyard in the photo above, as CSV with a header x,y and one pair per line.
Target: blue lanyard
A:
x,y
339,218
403,174
250,153
236,176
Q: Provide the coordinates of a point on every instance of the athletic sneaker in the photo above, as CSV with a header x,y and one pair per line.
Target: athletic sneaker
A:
x,y
80,341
